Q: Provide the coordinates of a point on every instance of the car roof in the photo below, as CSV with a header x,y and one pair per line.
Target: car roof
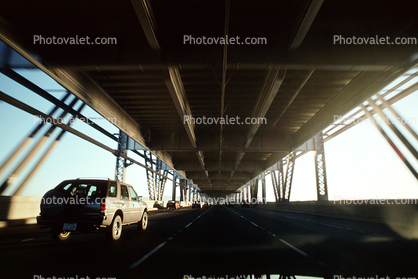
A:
x,y
89,180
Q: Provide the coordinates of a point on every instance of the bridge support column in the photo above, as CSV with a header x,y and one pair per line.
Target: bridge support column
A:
x,y
263,189
291,158
275,186
277,180
173,196
254,192
121,161
182,189
150,175
160,180
321,174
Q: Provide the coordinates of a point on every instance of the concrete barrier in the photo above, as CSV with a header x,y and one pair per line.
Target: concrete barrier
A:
x,y
18,210
383,211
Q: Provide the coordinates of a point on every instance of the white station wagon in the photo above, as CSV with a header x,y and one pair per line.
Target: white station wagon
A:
x,y
85,205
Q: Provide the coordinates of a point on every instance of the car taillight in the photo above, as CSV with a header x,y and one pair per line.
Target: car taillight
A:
x,y
103,206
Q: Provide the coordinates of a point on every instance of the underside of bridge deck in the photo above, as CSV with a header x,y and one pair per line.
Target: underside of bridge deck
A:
x,y
305,69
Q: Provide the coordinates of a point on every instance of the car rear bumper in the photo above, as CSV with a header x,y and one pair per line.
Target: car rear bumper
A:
x,y
82,224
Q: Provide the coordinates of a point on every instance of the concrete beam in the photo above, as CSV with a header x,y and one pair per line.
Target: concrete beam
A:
x,y
213,165
230,143
306,23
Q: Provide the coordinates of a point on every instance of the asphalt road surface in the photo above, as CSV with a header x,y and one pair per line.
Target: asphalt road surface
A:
x,y
217,242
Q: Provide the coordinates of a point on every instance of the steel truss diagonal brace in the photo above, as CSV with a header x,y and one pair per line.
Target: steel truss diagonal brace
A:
x,y
321,175
390,142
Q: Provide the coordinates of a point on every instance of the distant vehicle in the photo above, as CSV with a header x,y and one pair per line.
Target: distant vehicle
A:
x,y
173,204
91,204
197,204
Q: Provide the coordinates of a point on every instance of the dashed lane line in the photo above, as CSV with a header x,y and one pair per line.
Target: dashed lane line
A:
x,y
271,233
294,248
141,260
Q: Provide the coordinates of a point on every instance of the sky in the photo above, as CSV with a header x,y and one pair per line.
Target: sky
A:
x,y
359,162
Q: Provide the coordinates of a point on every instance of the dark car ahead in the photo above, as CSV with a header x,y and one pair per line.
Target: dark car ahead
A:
x,y
196,204
173,204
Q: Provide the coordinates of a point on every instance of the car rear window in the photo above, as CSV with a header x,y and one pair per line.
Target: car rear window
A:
x,y
85,189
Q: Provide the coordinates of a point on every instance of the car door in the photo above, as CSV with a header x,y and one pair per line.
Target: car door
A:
x,y
136,207
125,204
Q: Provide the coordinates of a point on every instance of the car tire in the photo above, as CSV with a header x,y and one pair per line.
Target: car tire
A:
x,y
143,223
59,234
115,230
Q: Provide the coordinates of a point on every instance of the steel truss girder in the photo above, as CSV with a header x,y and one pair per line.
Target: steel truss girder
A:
x,y
150,174
16,103
321,175
291,158
274,183
156,180
160,180
278,181
121,161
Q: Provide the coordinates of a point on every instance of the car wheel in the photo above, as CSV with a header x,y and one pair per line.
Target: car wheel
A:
x,y
115,230
58,234
143,224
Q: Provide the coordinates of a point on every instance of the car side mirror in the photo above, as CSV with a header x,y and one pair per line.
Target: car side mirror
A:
x,y
140,198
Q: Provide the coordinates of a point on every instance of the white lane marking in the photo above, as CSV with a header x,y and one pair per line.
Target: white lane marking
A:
x,y
294,248
328,225
135,264
282,240
25,240
255,224
188,224
323,264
